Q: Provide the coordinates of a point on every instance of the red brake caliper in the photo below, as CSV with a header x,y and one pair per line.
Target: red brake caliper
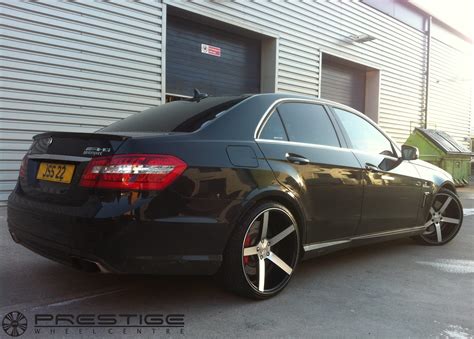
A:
x,y
247,243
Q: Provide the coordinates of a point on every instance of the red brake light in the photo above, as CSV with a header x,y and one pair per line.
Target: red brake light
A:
x,y
24,166
132,172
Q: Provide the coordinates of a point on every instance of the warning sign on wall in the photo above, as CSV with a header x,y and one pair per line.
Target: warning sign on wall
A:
x,y
211,50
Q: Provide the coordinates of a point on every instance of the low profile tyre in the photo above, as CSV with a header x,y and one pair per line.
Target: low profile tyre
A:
x,y
444,219
263,252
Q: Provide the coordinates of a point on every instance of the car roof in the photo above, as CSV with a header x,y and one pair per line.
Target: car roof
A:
x,y
282,95
279,96
245,116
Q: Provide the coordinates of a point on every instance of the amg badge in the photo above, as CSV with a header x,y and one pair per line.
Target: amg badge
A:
x,y
96,150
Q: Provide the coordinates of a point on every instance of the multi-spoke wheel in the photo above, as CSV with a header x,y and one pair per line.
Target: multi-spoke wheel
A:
x,y
263,252
444,219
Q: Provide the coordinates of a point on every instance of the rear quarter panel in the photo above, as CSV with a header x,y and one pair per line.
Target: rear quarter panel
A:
x,y
222,177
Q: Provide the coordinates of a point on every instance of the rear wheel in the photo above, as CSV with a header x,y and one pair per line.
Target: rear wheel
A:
x,y
444,220
263,252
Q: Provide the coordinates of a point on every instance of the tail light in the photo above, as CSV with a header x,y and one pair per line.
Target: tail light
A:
x,y
132,172
24,166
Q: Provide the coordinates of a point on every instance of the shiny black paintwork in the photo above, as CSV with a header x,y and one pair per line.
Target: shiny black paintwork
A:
x,y
184,229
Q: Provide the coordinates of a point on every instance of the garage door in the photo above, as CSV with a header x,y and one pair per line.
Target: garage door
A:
x,y
210,59
343,83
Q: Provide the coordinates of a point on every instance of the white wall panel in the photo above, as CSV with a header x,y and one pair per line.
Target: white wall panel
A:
x,y
450,94
80,65
73,66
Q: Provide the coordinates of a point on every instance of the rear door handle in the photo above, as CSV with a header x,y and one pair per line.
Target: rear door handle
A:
x,y
372,168
296,159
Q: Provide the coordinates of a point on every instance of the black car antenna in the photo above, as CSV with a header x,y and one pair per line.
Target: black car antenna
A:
x,y
198,96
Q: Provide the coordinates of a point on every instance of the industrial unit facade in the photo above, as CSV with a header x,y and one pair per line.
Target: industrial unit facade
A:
x,y
78,66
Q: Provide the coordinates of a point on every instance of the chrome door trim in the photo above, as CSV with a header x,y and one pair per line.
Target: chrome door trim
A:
x,y
388,233
319,245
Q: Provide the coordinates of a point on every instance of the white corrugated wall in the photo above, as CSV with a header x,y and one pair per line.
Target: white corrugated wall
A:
x,y
77,66
73,66
450,90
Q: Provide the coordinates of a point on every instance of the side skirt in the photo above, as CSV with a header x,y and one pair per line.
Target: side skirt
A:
x,y
321,248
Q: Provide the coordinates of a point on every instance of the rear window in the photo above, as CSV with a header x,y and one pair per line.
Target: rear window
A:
x,y
177,116
308,123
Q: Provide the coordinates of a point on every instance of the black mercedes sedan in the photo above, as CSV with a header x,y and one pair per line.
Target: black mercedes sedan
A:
x,y
243,186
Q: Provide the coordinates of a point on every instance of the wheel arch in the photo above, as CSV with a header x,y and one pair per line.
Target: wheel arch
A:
x,y
281,196
448,185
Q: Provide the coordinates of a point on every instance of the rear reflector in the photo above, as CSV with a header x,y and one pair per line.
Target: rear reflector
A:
x,y
132,172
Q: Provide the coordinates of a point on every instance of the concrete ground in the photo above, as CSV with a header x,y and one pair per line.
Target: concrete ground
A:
x,y
393,289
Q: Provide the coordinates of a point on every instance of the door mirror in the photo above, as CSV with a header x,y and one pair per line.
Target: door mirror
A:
x,y
410,152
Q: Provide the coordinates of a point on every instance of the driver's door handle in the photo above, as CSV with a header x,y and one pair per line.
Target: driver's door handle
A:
x,y
372,168
296,159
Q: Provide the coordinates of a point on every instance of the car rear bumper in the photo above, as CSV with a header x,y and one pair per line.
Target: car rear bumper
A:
x,y
124,244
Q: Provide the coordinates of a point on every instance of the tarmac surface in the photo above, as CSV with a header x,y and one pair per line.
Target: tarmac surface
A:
x,y
392,289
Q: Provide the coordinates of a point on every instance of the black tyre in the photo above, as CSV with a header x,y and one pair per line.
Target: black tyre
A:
x,y
263,252
443,221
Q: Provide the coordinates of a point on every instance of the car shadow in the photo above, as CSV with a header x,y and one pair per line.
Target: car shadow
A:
x,y
59,286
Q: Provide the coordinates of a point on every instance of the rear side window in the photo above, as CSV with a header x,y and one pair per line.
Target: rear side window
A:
x,y
274,129
177,116
308,123
364,136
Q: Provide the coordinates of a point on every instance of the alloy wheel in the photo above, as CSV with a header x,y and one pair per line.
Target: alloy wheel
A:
x,y
270,250
444,219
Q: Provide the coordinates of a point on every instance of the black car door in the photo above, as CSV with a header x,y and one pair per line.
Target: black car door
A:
x,y
392,189
301,145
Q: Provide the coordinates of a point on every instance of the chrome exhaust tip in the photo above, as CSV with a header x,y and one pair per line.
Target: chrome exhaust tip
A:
x,y
88,265
14,237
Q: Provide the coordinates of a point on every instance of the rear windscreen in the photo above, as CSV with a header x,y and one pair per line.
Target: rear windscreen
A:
x,y
177,116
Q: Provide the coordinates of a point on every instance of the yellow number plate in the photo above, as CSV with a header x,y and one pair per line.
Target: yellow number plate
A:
x,y
55,172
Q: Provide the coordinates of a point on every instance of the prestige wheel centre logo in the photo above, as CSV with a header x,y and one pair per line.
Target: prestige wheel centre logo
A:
x,y
14,324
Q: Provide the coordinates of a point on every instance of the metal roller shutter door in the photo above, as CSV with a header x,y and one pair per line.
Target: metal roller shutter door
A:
x,y
235,71
343,84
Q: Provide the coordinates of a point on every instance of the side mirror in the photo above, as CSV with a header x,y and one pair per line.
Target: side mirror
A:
x,y
410,152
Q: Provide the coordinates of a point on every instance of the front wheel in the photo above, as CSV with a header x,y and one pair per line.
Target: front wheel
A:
x,y
263,252
444,220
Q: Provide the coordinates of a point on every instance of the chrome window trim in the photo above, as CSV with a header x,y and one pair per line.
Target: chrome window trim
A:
x,y
319,245
270,109
296,143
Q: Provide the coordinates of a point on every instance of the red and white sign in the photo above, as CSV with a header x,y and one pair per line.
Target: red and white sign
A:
x,y
211,50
